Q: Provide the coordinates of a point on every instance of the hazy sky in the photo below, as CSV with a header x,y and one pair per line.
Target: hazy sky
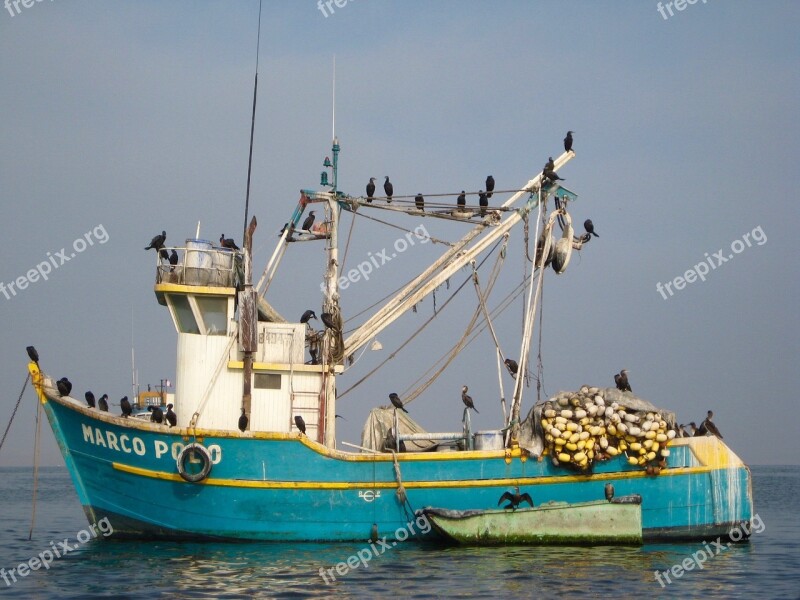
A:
x,y
120,119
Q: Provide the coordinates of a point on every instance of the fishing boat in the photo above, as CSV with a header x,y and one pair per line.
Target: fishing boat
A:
x,y
254,453
597,522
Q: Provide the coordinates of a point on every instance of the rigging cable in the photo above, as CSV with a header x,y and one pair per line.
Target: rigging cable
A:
x,y
14,412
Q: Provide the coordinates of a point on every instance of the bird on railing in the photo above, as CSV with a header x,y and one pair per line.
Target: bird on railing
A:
x,y
102,403
515,499
370,189
707,426
156,414
173,260
568,141
419,202
170,416
157,242
467,400
125,405
489,186
227,242
396,402
301,424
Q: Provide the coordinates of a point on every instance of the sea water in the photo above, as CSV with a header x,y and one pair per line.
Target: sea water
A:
x,y
96,565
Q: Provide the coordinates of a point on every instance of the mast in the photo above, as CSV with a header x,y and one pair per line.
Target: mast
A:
x,y
333,346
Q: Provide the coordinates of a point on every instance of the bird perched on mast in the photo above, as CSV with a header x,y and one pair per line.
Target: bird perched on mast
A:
x,y
227,242
388,188
32,354
327,319
64,386
589,227
243,421
461,201
157,242
370,189
89,399
483,201
489,186
467,400
568,141
396,402
621,379
419,201
309,221
512,366
308,315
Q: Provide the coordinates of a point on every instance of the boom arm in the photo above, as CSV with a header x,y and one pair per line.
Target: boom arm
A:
x,y
450,262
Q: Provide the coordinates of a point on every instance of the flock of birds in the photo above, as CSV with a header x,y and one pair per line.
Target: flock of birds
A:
x,y
157,415
158,241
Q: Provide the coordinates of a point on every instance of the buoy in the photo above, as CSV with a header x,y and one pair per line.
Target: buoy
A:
x,y
671,434
611,451
572,426
655,447
550,413
559,441
651,435
598,400
573,439
635,446
665,452
581,444
661,438
651,456
566,413
633,460
571,447
647,444
563,457
583,435
603,443
579,457
561,420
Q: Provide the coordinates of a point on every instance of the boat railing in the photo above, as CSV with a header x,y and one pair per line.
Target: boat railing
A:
x,y
200,265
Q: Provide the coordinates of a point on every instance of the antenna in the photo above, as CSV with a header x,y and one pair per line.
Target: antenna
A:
x,y
333,127
252,124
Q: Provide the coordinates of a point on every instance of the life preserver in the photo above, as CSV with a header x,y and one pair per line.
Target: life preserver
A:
x,y
196,450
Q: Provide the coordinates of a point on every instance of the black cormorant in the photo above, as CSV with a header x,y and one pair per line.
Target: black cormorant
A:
x,y
64,386
301,424
170,416
419,202
396,402
309,221
89,399
568,142
512,366
489,186
309,314
515,499
388,188
242,421
102,403
327,318
32,354
227,242
483,201
157,242
589,227
370,189
621,379
156,414
461,201
125,405
467,399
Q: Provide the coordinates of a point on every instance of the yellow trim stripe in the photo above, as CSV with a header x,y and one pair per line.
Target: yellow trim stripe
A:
x,y
176,288
260,366
348,485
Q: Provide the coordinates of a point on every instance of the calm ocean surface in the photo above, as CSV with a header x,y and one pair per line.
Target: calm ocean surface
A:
x,y
767,567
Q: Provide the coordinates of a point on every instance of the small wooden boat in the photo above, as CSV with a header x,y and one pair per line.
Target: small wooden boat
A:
x,y
553,523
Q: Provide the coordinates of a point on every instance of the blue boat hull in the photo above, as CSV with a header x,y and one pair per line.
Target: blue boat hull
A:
x,y
284,487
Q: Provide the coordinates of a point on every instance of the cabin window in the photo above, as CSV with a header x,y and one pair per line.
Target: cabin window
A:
x,y
184,314
215,314
267,381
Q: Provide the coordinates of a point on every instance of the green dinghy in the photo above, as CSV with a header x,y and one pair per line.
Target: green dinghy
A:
x,y
597,522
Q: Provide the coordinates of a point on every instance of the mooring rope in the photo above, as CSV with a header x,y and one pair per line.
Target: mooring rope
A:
x,y
27,379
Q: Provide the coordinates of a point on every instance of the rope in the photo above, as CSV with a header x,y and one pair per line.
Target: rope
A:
x,y
382,222
36,444
417,332
16,406
439,195
349,237
416,392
